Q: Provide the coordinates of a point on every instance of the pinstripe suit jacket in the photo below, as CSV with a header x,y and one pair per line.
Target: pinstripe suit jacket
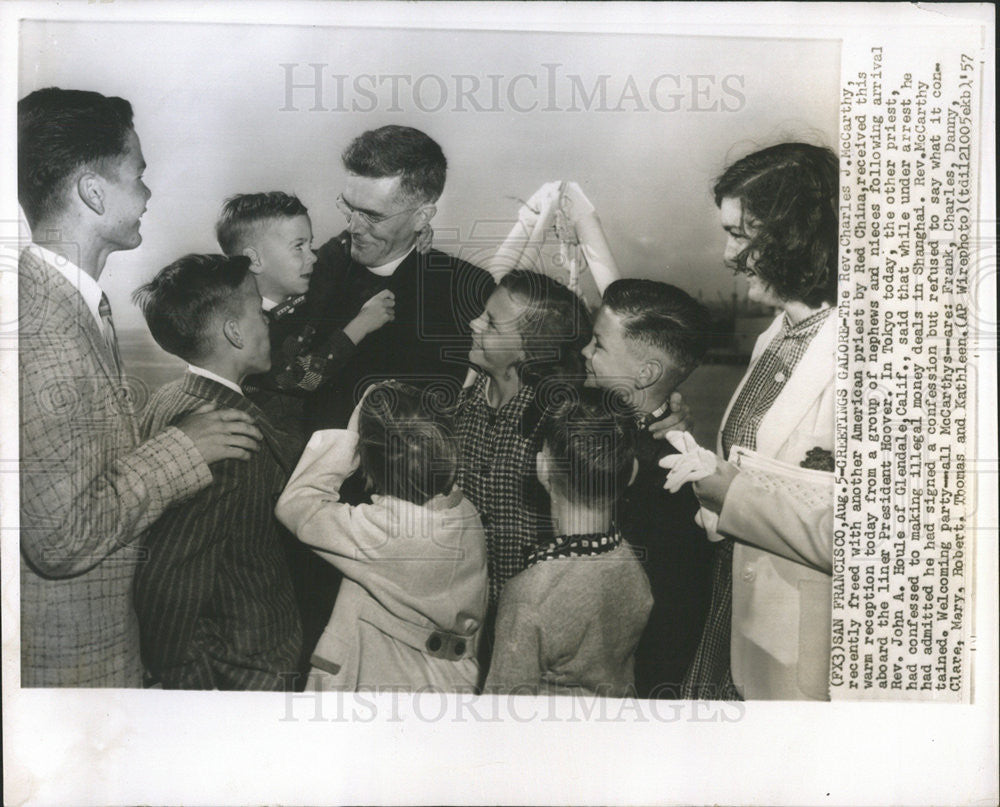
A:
x,y
88,490
215,601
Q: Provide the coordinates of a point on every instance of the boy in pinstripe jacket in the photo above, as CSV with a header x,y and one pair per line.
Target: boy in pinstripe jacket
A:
x,y
215,601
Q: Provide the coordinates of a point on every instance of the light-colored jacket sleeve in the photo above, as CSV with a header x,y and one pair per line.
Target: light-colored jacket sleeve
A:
x,y
348,536
310,504
802,417
516,665
86,492
780,523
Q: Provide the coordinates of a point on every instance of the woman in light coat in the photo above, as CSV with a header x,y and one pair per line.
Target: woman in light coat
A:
x,y
778,208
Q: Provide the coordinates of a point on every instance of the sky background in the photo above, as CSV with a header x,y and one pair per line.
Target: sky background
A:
x,y
209,100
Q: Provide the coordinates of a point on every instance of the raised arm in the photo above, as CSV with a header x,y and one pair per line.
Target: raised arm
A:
x,y
313,490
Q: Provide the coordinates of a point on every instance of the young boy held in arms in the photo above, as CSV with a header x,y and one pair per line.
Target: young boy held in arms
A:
x,y
274,231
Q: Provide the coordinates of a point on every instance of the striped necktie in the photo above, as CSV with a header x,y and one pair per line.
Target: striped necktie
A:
x,y
110,337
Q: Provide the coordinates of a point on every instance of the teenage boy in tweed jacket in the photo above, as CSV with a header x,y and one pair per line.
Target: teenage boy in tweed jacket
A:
x,y
89,485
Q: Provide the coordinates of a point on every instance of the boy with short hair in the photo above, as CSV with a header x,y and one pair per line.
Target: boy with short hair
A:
x,y
648,337
571,621
214,597
309,347
273,230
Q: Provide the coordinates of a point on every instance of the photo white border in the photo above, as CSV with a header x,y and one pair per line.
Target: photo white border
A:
x,y
96,747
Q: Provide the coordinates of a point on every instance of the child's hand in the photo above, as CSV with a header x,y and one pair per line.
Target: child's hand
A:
x,y
375,313
679,418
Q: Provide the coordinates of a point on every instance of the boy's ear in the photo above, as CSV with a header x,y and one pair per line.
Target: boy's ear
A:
x,y
90,188
254,256
231,330
650,372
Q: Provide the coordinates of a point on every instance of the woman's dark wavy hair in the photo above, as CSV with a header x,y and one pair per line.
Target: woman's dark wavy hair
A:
x,y
555,327
789,197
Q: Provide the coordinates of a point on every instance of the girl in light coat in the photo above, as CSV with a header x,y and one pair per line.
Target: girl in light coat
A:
x,y
410,609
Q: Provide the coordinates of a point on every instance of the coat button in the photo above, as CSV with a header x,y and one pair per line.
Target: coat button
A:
x,y
434,643
749,575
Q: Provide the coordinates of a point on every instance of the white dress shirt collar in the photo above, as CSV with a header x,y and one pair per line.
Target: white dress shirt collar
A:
x,y
78,279
267,304
214,377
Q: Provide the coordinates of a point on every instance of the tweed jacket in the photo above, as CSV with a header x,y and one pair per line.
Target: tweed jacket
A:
x,y
782,559
214,597
89,489
571,625
413,600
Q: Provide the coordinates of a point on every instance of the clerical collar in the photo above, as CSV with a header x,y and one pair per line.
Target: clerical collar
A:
x,y
386,269
89,288
214,377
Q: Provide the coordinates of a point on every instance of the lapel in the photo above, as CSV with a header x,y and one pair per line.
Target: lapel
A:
x,y
811,377
67,308
758,349
279,444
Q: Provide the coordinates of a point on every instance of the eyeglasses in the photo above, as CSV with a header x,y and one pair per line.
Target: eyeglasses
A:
x,y
369,219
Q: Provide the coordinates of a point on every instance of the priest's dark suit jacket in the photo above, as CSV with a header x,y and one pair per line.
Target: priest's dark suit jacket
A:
x,y
427,344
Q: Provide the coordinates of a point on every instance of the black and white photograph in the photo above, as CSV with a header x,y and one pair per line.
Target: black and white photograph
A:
x,y
397,393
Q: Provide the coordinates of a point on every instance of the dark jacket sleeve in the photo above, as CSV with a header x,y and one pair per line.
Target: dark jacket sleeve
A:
x,y
676,556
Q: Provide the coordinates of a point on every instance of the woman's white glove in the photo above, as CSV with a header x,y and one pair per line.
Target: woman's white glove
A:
x,y
691,464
